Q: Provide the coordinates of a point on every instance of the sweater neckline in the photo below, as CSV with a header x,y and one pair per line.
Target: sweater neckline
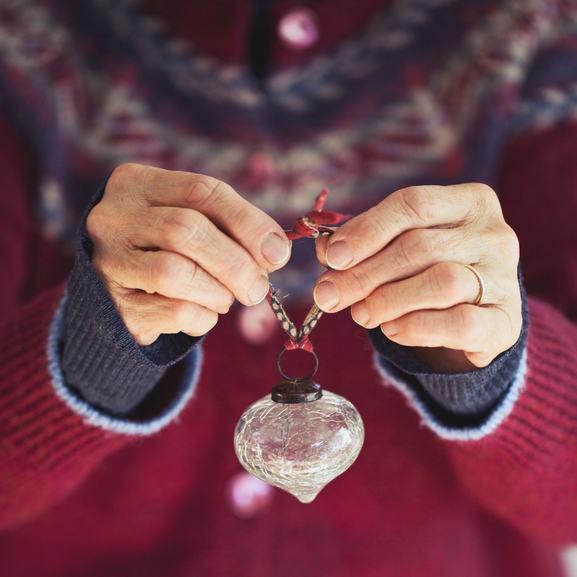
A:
x,y
295,91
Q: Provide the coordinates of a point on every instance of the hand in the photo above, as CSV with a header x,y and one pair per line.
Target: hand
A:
x,y
174,249
398,266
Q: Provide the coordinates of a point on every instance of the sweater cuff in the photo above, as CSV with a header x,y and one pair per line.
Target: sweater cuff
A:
x,y
102,364
474,402
159,409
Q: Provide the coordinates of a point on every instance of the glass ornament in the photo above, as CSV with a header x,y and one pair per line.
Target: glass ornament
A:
x,y
300,437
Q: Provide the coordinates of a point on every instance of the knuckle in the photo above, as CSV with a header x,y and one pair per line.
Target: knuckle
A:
x,y
481,359
181,228
358,283
416,245
141,335
499,247
192,319
445,279
98,224
485,201
243,271
124,172
192,275
245,214
205,324
200,189
177,314
165,271
508,242
483,192
130,173
373,224
413,326
223,304
419,202
379,306
451,277
469,328
137,326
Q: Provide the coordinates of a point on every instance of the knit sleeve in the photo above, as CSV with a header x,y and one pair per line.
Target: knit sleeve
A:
x,y
467,403
519,459
101,363
50,440
525,470
46,449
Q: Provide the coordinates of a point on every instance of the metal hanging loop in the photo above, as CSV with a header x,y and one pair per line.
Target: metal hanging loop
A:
x,y
308,377
296,390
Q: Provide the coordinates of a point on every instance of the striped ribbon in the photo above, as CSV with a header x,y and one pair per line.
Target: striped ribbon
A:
x,y
314,223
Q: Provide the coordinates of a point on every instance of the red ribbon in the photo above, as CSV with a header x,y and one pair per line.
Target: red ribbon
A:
x,y
317,221
314,223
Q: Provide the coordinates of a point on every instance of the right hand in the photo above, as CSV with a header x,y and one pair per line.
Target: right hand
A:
x,y
174,249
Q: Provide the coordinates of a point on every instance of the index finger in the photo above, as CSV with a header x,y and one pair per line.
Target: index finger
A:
x,y
249,226
403,210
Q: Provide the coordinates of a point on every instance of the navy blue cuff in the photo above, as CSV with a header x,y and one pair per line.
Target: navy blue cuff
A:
x,y
101,362
455,399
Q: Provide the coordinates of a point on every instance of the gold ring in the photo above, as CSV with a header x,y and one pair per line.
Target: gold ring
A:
x,y
479,300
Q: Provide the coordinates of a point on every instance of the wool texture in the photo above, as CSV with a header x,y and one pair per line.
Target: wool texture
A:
x,y
393,95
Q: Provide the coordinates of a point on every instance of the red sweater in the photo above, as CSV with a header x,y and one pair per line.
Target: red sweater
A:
x,y
77,499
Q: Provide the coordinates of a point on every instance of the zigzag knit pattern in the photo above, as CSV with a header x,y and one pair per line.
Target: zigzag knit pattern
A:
x,y
184,110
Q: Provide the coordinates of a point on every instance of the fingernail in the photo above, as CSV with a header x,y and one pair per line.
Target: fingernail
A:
x,y
390,329
360,313
326,295
339,255
274,248
258,291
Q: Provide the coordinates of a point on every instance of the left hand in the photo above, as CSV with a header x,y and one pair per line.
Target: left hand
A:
x,y
399,265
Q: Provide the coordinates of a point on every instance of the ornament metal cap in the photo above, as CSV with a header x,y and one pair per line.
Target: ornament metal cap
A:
x,y
296,391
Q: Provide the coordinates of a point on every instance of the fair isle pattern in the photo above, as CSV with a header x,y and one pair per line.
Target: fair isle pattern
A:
x,y
324,79
549,108
111,123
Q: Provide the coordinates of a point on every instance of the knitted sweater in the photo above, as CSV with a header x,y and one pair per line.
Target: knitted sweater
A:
x,y
86,492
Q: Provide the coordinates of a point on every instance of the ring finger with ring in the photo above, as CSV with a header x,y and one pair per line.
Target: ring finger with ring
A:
x,y
441,286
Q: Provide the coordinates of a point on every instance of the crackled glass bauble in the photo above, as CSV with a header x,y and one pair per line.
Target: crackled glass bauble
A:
x,y
299,447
